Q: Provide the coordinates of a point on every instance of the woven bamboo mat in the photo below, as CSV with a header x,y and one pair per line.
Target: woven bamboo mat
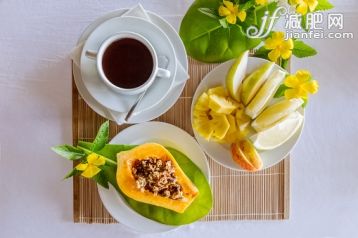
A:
x,y
262,195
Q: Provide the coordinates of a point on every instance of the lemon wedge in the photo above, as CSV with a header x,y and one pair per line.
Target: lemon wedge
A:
x,y
275,136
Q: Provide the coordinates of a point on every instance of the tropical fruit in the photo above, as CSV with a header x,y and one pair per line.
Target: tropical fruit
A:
x,y
245,154
236,74
219,91
220,104
254,81
275,136
265,93
132,177
274,113
220,125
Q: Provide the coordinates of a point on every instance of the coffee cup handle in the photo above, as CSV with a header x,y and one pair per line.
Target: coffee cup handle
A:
x,y
163,73
91,54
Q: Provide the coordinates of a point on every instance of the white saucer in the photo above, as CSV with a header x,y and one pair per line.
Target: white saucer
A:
x,y
100,91
174,93
221,152
167,135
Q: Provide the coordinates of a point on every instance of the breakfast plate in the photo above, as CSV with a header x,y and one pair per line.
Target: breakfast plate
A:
x,y
114,100
180,77
220,152
158,132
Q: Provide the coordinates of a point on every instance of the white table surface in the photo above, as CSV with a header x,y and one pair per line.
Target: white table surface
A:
x,y
35,113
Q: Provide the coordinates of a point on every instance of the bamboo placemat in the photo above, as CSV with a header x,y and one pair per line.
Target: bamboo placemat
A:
x,y
262,195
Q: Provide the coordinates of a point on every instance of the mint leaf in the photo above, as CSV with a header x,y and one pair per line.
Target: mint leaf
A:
x,y
324,5
102,137
69,152
302,50
280,91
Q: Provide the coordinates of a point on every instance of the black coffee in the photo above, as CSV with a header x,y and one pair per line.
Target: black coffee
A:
x,y
127,63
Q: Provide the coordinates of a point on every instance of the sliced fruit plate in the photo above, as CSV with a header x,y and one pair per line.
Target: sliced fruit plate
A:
x,y
236,119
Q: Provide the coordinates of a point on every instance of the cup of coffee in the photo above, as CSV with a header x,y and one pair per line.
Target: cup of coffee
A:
x,y
128,63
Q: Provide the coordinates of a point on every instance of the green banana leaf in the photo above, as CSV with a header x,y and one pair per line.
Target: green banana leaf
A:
x,y
200,207
208,38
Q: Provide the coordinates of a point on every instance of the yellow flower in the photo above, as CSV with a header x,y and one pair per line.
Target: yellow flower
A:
x,y
300,85
279,46
261,2
90,168
302,6
231,12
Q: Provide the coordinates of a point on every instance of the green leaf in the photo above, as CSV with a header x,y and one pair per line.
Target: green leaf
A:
x,y
102,137
223,22
72,173
262,52
284,63
209,12
305,102
200,207
324,5
69,152
101,178
302,50
206,40
280,91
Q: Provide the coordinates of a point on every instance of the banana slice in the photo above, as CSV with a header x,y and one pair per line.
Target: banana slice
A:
x,y
265,94
254,81
273,114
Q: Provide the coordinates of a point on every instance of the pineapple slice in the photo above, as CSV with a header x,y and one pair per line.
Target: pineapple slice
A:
x,y
221,104
219,91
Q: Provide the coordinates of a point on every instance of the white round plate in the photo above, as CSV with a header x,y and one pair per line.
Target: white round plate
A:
x,y
167,135
221,152
100,91
174,93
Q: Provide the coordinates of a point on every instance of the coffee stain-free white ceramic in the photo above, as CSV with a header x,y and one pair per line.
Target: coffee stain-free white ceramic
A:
x,y
174,93
221,152
167,135
115,100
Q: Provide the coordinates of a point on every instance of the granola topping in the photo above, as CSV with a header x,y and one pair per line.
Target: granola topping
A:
x,y
157,176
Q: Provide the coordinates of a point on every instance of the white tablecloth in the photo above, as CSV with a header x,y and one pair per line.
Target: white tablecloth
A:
x,y
35,113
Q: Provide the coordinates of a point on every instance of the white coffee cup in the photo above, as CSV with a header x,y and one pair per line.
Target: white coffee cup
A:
x,y
156,71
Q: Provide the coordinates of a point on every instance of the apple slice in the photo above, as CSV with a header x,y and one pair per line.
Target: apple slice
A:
x,y
236,74
245,154
265,94
254,81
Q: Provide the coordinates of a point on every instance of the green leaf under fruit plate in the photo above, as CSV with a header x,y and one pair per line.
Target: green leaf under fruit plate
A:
x,y
200,207
207,39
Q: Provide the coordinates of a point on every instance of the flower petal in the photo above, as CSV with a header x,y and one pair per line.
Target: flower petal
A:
x,y
242,15
99,161
278,35
288,44
274,55
292,81
302,8
223,11
271,44
295,93
261,2
91,171
303,75
81,167
229,5
286,54
92,157
310,87
312,4
231,19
